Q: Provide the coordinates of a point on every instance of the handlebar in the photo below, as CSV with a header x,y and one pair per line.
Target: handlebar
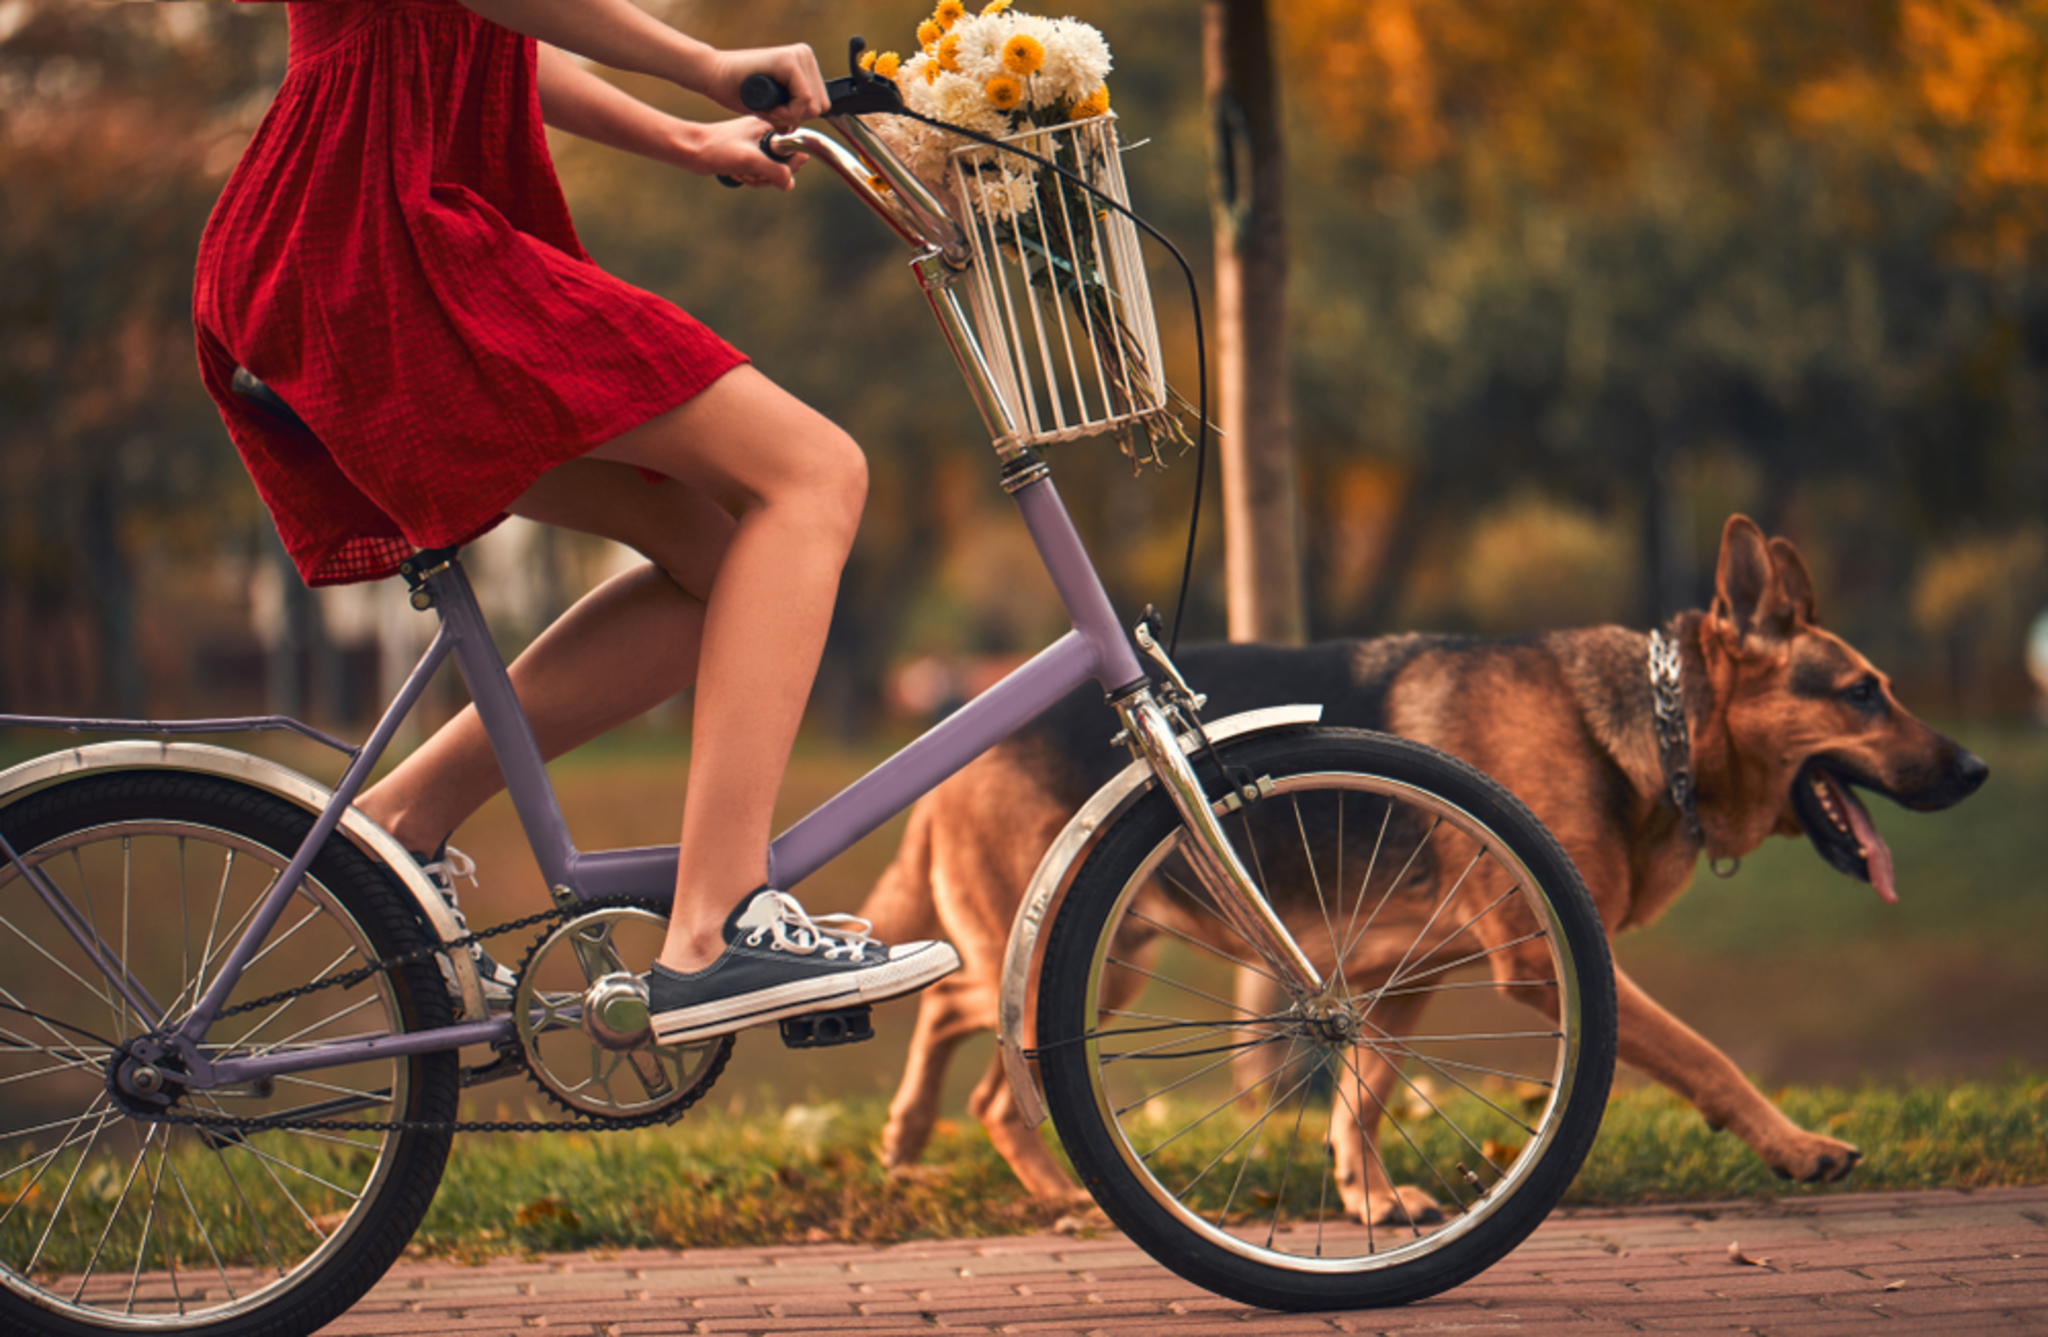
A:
x,y
867,165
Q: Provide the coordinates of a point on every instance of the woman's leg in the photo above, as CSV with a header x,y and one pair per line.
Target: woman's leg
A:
x,y
626,646
795,484
772,499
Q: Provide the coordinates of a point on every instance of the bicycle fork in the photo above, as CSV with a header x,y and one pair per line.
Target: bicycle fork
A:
x,y
1149,728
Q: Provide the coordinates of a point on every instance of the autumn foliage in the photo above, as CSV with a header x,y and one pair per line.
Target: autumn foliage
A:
x,y
1576,96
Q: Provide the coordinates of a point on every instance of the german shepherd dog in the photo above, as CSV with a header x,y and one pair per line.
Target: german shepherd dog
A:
x,y
1782,722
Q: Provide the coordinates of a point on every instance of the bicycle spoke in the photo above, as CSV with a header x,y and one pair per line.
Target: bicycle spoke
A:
x,y
1394,1121
1257,1124
1210,948
1465,960
1229,1057
1164,1049
142,1243
205,1235
1443,903
1394,884
114,1215
40,950
1222,1105
49,1158
272,1047
1287,1165
1308,855
1352,932
269,1160
323,973
1176,984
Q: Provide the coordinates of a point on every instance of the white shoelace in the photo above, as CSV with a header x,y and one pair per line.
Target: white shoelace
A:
x,y
795,930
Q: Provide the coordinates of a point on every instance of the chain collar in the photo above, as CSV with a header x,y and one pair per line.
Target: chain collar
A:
x,y
1674,740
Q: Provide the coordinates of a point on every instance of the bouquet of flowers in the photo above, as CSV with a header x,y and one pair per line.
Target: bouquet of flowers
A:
x,y
1042,85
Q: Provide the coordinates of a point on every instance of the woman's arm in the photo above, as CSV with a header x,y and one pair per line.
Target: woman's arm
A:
x,y
573,99
620,34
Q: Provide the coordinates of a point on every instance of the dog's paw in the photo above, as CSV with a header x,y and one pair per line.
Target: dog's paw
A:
x,y
1815,1160
1405,1206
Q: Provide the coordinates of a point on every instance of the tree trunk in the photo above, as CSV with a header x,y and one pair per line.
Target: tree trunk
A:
x,y
1261,542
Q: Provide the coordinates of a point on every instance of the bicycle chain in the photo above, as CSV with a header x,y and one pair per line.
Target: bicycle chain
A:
x,y
277,1122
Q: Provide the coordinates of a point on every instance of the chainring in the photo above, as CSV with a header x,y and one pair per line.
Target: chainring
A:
x,y
648,1083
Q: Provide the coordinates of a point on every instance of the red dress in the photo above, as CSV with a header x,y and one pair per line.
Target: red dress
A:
x,y
393,257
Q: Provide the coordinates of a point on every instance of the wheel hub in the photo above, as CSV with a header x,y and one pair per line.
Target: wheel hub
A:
x,y
145,1078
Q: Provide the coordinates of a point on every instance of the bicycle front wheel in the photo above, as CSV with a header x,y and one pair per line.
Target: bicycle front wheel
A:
x,y
1386,1139
114,1223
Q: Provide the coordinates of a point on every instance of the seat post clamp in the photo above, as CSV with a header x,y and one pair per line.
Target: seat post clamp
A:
x,y
418,569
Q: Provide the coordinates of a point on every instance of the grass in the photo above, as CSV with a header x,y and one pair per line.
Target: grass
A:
x,y
810,1173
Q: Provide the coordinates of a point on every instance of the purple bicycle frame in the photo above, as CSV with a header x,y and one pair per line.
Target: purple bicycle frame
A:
x,y
1096,648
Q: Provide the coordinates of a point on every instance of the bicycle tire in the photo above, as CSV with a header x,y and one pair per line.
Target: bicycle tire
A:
x,y
127,1224
1149,1010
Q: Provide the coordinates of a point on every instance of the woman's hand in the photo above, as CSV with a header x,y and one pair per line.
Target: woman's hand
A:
x,y
733,149
794,67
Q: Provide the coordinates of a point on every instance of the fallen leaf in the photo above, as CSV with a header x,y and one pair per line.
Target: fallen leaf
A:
x,y
817,1235
1082,1225
1895,1285
1741,1259
1502,1154
546,1209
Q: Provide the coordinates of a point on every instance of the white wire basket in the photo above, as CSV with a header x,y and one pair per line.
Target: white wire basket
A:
x,y
1059,298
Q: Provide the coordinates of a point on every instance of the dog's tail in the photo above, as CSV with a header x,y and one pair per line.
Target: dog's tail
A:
x,y
902,907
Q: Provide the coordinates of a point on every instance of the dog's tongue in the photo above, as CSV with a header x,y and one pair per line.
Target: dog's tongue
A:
x,y
1877,856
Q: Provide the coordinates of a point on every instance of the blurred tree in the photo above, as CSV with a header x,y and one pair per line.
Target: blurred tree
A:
x,y
1589,246
1261,521
117,124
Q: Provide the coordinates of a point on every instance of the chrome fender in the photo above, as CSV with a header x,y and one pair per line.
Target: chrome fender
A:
x,y
1049,884
270,777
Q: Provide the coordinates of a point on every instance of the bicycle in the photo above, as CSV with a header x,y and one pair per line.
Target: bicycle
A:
x,y
229,1086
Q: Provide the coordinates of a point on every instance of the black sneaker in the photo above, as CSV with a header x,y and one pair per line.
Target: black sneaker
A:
x,y
442,867
780,962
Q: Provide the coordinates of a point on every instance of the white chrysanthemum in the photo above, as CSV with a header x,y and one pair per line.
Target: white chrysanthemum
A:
x,y
997,194
959,100
1076,59
911,83
981,44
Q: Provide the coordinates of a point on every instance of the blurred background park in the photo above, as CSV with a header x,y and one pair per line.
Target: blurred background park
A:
x,y
1569,282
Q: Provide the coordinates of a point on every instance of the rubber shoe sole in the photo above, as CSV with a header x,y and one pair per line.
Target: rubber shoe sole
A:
x,y
891,979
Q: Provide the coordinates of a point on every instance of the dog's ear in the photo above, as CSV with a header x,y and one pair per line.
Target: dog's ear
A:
x,y
1751,594
1794,580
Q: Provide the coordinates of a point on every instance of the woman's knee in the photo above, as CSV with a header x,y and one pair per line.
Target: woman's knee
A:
x,y
842,481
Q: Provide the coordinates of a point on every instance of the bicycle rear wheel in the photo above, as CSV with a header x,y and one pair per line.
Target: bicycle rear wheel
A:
x,y
112,1223
1387,1139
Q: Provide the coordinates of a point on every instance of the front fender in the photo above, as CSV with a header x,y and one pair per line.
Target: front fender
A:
x,y
1049,884
270,777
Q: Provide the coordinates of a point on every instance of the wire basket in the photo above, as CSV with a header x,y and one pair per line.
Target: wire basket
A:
x,y
1059,298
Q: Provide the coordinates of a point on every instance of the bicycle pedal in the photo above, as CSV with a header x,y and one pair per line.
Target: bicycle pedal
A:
x,y
818,1030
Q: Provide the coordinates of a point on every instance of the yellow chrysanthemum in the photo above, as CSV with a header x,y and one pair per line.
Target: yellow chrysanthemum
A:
x,y
1023,54
931,71
947,53
1003,92
887,64
994,7
927,33
1094,104
948,13
867,60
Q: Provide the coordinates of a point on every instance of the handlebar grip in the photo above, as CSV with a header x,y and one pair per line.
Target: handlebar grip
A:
x,y
767,151
762,92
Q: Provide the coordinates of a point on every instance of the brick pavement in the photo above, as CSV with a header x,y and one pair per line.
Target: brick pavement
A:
x,y
1935,1262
